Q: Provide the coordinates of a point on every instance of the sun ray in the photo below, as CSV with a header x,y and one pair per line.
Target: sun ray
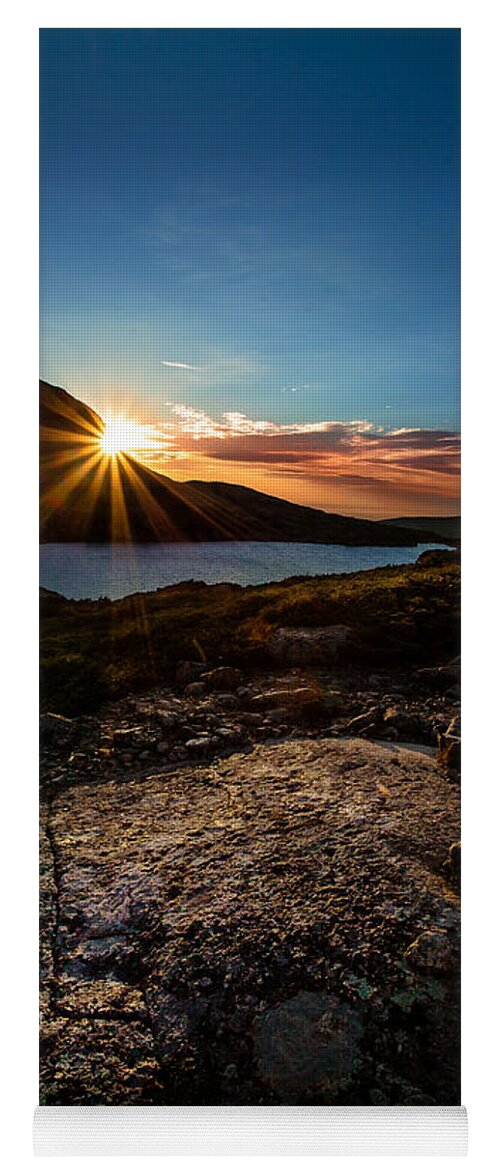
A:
x,y
120,525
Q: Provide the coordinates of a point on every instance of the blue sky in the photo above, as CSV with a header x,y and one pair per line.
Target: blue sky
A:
x,y
277,210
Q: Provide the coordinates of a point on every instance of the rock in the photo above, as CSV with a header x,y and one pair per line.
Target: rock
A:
x,y
112,956
250,719
449,747
371,718
251,910
200,745
55,729
230,736
309,646
444,677
187,673
223,679
129,737
167,720
403,722
431,951
334,701
195,690
452,864
306,1041
228,703
295,699
178,752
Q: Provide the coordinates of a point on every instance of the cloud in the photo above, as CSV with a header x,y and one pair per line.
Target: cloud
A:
x,y
336,455
178,365
294,389
355,467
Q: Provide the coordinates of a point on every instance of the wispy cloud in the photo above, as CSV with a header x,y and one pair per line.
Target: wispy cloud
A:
x,y
178,365
294,389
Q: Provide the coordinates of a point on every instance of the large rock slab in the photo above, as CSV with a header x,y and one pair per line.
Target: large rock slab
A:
x,y
309,645
195,921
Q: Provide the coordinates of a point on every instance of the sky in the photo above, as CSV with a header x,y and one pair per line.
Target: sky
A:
x,y
250,254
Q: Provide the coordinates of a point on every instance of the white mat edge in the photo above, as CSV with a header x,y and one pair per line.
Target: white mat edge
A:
x,y
250,1130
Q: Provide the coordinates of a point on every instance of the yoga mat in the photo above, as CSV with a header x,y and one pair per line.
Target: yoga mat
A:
x,y
250,572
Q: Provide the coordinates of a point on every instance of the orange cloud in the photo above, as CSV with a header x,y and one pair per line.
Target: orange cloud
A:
x,y
354,467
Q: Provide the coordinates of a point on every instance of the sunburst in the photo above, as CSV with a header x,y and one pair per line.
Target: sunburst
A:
x,y
123,436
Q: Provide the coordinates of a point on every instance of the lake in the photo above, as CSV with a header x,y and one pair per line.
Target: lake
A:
x,y
113,571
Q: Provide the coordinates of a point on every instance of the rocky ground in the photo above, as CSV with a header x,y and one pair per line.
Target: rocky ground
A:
x,y
250,891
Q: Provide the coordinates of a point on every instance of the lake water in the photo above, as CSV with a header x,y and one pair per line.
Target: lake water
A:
x,y
113,571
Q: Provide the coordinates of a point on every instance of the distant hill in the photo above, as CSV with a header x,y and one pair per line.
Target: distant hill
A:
x,y
447,527
85,496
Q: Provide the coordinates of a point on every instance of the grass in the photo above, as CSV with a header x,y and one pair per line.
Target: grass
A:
x,y
95,651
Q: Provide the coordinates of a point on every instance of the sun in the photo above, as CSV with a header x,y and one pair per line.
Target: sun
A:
x,y
122,436
114,439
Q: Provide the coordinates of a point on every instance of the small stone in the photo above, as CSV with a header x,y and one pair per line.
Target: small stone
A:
x,y
128,737
55,728
452,864
178,752
228,703
430,952
200,745
403,722
250,719
449,747
167,720
297,698
359,723
195,690
223,679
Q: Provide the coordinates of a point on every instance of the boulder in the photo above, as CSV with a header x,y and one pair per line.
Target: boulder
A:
x,y
252,912
442,678
222,679
308,646
293,700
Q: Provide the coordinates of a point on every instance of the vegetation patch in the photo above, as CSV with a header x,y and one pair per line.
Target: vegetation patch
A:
x,y
94,651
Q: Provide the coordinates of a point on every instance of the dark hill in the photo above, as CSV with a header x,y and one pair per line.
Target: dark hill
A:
x,y
86,496
445,527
